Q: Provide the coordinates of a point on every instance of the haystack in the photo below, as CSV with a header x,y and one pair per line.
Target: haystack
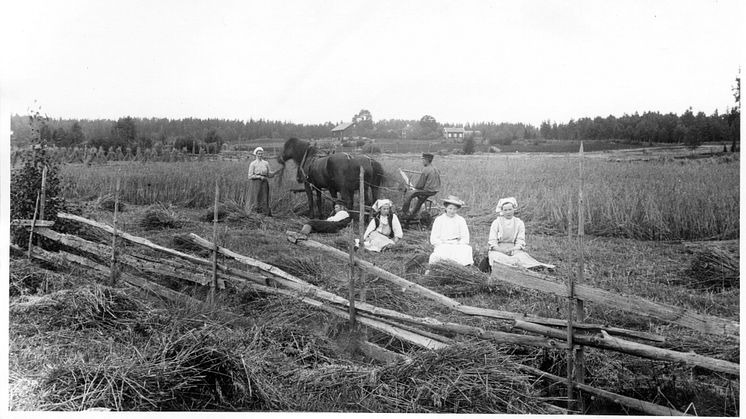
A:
x,y
452,279
106,202
159,217
715,265
463,378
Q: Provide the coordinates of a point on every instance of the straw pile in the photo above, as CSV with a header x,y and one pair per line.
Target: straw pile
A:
x,y
89,307
106,202
229,211
464,378
715,266
159,217
304,267
200,370
454,280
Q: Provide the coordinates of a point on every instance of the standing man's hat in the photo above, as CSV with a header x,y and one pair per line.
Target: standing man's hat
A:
x,y
427,156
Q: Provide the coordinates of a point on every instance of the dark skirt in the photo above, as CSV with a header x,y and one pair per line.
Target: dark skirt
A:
x,y
323,226
259,196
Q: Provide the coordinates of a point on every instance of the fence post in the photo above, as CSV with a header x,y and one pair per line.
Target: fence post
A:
x,y
43,192
579,304
33,223
113,271
214,282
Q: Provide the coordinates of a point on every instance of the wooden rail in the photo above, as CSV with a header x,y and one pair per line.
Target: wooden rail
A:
x,y
676,315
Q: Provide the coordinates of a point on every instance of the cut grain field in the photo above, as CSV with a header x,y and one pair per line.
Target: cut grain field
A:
x,y
661,199
289,357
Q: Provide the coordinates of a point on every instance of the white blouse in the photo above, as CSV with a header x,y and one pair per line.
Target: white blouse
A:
x,y
449,230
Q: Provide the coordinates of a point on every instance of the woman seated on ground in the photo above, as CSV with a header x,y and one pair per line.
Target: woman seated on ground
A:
x,y
384,229
450,235
339,220
508,238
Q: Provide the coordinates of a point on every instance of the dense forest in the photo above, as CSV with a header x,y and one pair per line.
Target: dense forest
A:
x,y
193,133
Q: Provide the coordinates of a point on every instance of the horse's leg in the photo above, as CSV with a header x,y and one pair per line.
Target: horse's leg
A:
x,y
320,203
348,197
309,195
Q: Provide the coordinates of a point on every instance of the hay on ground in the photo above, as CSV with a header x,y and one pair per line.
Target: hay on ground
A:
x,y
159,217
229,211
107,202
305,267
90,307
452,279
463,378
207,369
715,266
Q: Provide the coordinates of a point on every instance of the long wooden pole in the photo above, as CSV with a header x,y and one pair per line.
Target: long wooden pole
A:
x,y
351,288
214,282
43,198
113,266
643,406
33,224
579,308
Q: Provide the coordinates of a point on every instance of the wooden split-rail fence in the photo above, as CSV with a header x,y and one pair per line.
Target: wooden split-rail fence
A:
x,y
137,268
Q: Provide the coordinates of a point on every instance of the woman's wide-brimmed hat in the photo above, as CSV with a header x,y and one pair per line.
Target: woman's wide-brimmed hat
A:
x,y
450,199
258,149
504,201
382,203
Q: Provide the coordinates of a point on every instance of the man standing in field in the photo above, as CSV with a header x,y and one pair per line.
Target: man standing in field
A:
x,y
427,185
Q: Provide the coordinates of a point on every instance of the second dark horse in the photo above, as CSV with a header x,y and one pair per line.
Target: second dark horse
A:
x,y
339,173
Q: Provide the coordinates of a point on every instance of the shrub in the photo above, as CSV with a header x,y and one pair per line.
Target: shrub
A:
x,y
25,184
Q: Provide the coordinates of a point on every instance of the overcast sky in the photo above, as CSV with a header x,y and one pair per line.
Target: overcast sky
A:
x,y
316,61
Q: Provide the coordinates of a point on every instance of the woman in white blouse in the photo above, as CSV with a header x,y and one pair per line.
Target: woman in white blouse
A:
x,y
259,174
507,238
384,228
450,235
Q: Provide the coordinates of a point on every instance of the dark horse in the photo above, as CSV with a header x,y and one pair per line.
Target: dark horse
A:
x,y
336,172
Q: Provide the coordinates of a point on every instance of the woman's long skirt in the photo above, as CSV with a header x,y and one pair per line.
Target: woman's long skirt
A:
x,y
377,241
459,253
259,196
519,258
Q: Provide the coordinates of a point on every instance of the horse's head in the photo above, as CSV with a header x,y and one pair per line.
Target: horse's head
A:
x,y
293,149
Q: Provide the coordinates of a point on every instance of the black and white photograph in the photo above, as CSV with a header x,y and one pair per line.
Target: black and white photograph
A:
x,y
371,207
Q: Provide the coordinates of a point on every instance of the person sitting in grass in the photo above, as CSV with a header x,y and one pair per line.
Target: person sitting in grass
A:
x,y
450,235
507,239
384,229
337,221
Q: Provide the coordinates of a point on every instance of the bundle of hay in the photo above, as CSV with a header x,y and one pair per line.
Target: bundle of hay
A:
x,y
106,202
715,266
227,211
464,378
386,295
304,267
159,217
90,307
452,279
202,370
181,242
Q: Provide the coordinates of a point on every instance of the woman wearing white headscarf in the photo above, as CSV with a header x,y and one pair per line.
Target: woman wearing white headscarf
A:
x,y
259,174
450,235
508,238
384,228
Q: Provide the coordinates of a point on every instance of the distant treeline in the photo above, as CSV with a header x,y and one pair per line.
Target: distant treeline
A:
x,y
193,134
688,128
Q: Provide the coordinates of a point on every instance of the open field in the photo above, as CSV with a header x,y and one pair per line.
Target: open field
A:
x,y
661,199
296,358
